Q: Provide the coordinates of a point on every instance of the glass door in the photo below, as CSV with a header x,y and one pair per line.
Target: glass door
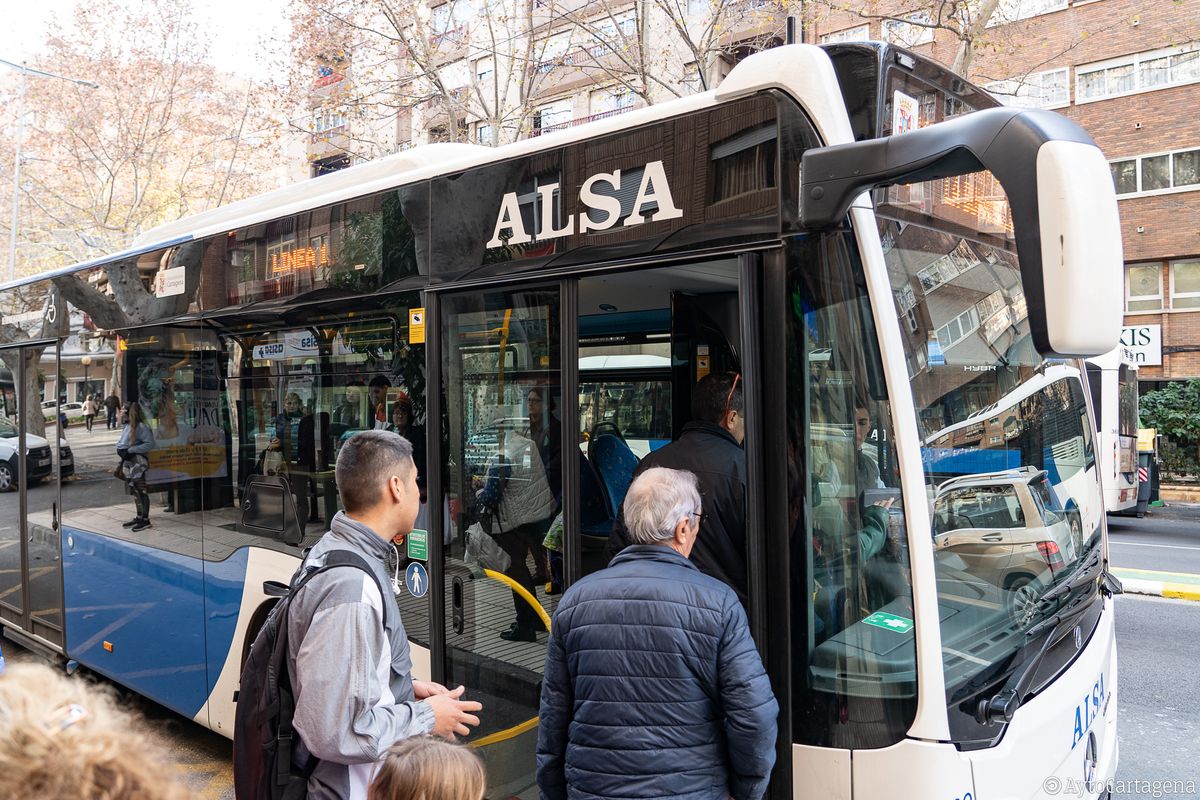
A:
x,y
500,364
32,455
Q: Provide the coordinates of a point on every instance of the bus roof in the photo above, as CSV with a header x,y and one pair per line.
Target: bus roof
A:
x,y
803,71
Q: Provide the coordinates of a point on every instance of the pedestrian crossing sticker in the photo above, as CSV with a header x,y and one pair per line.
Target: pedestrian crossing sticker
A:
x,y
416,579
890,622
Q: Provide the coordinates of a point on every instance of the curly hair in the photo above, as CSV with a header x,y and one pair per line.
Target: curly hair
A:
x,y
425,768
65,738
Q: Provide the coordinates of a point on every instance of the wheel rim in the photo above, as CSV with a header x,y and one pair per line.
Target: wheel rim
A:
x,y
1024,600
5,478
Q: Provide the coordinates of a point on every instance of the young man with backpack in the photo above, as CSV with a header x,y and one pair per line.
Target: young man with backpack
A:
x,y
320,727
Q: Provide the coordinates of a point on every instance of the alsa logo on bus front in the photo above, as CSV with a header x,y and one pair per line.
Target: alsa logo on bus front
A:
x,y
1089,711
653,189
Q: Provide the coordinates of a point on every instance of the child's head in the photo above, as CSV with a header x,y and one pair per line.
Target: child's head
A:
x,y
424,768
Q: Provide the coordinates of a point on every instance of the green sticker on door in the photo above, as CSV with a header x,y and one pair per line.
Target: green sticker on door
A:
x,y
418,545
882,619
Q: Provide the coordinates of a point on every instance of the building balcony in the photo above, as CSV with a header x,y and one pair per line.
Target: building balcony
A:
x,y
562,126
575,69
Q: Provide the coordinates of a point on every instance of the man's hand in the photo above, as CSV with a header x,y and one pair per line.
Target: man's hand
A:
x,y
452,716
423,689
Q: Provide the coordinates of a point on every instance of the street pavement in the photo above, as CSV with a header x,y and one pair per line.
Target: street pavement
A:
x,y
1158,727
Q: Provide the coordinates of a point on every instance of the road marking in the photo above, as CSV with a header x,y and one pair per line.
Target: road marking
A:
x,y
1164,546
1119,570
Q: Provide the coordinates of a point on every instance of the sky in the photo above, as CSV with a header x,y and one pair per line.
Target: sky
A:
x,y
240,28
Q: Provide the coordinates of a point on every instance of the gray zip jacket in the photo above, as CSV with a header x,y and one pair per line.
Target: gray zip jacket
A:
x,y
350,666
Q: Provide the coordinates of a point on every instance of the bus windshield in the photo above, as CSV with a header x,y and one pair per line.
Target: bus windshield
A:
x,y
997,422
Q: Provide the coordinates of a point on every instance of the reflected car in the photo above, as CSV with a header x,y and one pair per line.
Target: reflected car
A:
x,y
72,411
483,445
998,528
38,457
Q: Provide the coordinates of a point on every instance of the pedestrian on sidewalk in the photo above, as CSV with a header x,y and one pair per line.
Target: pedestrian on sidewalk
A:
x,y
424,768
90,407
112,404
653,687
133,446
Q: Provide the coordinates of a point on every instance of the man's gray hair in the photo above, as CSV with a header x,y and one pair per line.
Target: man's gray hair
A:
x,y
365,462
656,501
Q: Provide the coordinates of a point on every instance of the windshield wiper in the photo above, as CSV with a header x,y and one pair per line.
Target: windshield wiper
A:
x,y
1002,706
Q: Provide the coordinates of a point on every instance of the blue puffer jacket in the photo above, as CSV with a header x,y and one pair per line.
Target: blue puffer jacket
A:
x,y
653,687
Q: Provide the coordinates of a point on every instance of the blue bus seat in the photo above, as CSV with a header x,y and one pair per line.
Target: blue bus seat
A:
x,y
614,463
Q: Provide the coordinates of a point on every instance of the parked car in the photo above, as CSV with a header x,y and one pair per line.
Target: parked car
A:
x,y
72,412
37,453
999,528
483,445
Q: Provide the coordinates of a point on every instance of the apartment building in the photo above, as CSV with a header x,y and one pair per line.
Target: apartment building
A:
x,y
494,71
1129,72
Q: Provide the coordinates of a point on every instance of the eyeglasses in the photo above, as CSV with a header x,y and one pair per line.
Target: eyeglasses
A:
x,y
699,515
737,377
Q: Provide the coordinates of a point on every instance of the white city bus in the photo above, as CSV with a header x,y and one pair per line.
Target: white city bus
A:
x,y
1112,379
877,249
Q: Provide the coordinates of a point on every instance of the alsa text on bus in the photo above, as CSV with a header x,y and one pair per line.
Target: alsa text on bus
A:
x,y
653,189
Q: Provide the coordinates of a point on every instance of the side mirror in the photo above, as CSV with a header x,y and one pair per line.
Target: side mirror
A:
x,y
1060,193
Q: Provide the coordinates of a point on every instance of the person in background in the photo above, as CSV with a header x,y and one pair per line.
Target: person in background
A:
x,y
133,446
424,768
112,404
401,422
64,738
377,399
349,411
710,446
653,687
90,407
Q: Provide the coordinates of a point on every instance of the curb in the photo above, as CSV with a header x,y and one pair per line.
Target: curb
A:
x,y
1181,591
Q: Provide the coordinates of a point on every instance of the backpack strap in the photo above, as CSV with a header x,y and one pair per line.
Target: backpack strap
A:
x,y
285,736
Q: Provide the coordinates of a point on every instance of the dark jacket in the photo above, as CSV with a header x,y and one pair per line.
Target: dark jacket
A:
x,y
719,464
653,688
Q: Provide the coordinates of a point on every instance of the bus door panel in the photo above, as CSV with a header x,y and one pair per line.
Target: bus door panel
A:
x,y
31,458
703,330
500,367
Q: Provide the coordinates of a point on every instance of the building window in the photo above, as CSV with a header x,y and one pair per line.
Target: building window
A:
x,y
1049,89
1012,10
485,134
485,70
1140,72
909,31
1143,288
958,328
1185,284
858,33
610,101
552,114
1157,173
327,119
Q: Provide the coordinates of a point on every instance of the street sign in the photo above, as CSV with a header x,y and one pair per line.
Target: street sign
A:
x,y
418,545
416,579
889,622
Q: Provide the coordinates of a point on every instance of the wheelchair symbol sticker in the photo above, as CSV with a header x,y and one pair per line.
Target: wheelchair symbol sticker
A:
x,y
416,579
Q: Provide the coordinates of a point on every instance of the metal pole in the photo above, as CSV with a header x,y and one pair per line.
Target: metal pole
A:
x,y
16,198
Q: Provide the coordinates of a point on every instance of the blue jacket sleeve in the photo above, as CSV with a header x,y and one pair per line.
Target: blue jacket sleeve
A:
x,y
145,440
555,712
750,707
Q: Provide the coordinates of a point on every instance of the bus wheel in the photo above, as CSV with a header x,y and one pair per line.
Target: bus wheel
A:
x,y
1023,594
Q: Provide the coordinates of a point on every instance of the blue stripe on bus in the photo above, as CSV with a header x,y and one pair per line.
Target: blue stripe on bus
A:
x,y
976,460
149,604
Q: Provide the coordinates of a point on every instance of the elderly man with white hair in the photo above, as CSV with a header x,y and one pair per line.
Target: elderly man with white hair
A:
x,y
653,686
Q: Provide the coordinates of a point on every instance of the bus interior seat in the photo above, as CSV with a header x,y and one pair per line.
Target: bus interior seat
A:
x,y
615,464
269,509
605,428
